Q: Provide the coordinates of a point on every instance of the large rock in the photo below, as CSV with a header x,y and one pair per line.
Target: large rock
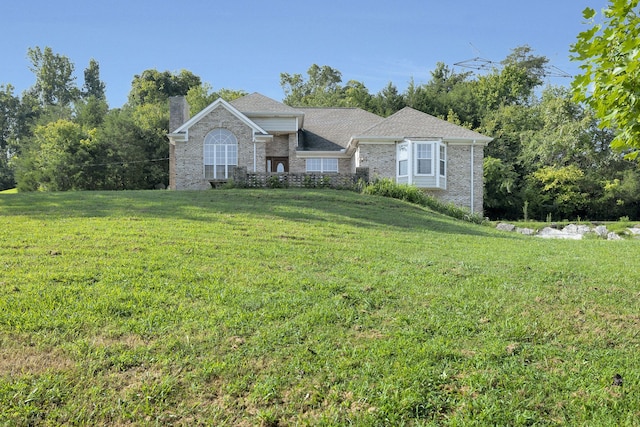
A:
x,y
526,231
577,229
552,233
613,236
601,231
503,226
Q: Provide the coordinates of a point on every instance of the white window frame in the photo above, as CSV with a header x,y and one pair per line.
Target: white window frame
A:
x,y
436,155
402,154
220,151
325,165
430,158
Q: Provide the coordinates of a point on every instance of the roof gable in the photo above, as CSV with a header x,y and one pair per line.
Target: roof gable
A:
x,y
411,123
184,128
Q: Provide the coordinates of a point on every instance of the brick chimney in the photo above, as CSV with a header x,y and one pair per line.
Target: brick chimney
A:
x,y
178,112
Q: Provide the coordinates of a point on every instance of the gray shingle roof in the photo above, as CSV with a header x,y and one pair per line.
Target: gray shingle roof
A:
x,y
331,129
410,123
256,103
328,129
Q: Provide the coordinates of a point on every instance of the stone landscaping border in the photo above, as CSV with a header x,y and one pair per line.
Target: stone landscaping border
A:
x,y
571,231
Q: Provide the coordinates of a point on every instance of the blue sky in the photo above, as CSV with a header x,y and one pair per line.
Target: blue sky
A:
x,y
246,44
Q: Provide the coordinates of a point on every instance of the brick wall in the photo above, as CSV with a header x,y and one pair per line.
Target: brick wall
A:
x,y
279,147
458,189
189,164
380,159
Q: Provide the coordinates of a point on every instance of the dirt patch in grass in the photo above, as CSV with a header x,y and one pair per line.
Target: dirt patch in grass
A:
x,y
131,341
19,360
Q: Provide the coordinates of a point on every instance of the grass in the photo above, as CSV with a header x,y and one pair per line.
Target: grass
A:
x,y
305,307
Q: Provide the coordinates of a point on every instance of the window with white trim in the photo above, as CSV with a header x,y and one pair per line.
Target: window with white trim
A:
x,y
403,159
220,154
322,165
443,159
424,158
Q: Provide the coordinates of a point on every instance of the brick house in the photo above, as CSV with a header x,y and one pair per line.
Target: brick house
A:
x,y
261,135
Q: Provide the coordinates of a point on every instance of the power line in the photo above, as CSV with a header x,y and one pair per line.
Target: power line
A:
x,y
128,163
478,63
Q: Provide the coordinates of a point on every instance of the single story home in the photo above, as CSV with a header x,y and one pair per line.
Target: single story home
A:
x,y
263,135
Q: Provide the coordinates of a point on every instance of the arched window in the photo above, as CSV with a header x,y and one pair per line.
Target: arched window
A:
x,y
220,154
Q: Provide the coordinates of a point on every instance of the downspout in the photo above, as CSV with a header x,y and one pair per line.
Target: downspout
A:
x,y
254,155
410,160
472,182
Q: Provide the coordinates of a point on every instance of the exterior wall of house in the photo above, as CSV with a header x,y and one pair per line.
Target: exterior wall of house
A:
x,y
189,165
458,189
344,166
261,158
279,147
296,165
276,124
379,158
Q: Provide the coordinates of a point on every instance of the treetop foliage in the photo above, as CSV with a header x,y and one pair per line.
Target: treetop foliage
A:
x,y
610,81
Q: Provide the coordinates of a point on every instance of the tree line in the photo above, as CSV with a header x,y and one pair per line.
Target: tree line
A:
x,y
57,136
551,156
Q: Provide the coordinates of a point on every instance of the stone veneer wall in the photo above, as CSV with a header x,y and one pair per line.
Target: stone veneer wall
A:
x,y
189,167
459,177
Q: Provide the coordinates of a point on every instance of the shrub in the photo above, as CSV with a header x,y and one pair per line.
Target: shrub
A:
x,y
412,194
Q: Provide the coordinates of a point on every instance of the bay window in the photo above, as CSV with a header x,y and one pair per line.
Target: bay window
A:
x,y
422,163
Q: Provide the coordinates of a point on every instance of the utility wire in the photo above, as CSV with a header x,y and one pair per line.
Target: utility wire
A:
x,y
127,163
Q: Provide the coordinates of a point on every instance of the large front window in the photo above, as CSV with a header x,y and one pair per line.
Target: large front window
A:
x,y
322,165
220,154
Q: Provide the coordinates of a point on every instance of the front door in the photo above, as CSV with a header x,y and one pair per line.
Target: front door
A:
x,y
277,164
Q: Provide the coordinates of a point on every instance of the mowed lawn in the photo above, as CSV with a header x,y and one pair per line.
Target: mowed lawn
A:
x,y
305,307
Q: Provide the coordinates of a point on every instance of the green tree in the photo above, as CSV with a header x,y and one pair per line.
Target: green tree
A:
x,y
447,91
199,97
515,83
355,94
91,111
610,79
557,191
621,195
564,135
321,88
502,198
153,86
388,101
9,113
55,83
55,158
93,86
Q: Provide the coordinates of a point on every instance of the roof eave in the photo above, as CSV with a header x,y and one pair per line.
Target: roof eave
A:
x,y
468,141
342,154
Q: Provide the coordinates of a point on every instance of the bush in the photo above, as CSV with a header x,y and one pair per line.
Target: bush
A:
x,y
412,194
